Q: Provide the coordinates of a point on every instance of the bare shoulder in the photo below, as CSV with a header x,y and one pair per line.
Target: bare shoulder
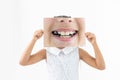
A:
x,y
86,57
38,56
82,53
41,53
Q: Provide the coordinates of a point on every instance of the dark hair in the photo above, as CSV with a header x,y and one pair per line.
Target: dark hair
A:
x,y
62,16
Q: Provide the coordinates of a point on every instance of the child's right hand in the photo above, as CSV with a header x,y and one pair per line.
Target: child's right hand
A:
x,y
38,34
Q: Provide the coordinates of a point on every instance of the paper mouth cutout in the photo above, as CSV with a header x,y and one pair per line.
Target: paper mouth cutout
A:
x,y
64,32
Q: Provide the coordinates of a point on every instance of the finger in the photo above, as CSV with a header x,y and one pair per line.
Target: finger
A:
x,y
90,37
39,32
87,34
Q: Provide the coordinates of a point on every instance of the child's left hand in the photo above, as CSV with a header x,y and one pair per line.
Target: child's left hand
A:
x,y
91,37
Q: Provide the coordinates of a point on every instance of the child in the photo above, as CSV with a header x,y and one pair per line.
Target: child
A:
x,y
63,61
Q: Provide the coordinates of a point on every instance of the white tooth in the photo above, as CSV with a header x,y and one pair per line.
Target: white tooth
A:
x,y
64,33
67,33
61,33
72,32
64,36
67,36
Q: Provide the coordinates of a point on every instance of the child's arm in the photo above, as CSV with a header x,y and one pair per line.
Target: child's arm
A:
x,y
98,61
27,58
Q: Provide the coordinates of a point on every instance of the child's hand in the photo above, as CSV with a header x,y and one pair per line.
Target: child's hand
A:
x,y
38,34
91,37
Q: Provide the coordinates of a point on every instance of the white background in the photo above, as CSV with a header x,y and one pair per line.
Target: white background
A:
x,y
20,18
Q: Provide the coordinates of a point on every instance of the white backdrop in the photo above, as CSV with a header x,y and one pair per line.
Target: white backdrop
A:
x,y
20,18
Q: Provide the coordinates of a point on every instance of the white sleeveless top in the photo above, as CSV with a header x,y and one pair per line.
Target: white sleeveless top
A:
x,y
63,64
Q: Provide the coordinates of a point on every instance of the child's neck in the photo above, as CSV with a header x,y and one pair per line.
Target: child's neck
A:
x,y
60,47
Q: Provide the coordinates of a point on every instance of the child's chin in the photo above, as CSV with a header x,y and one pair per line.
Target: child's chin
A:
x,y
68,45
63,44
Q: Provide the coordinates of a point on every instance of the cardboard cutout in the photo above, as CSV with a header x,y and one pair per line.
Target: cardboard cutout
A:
x,y
64,32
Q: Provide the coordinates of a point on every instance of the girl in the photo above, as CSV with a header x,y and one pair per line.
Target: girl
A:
x,y
63,62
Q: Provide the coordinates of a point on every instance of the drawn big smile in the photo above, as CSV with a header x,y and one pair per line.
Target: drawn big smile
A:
x,y
64,34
